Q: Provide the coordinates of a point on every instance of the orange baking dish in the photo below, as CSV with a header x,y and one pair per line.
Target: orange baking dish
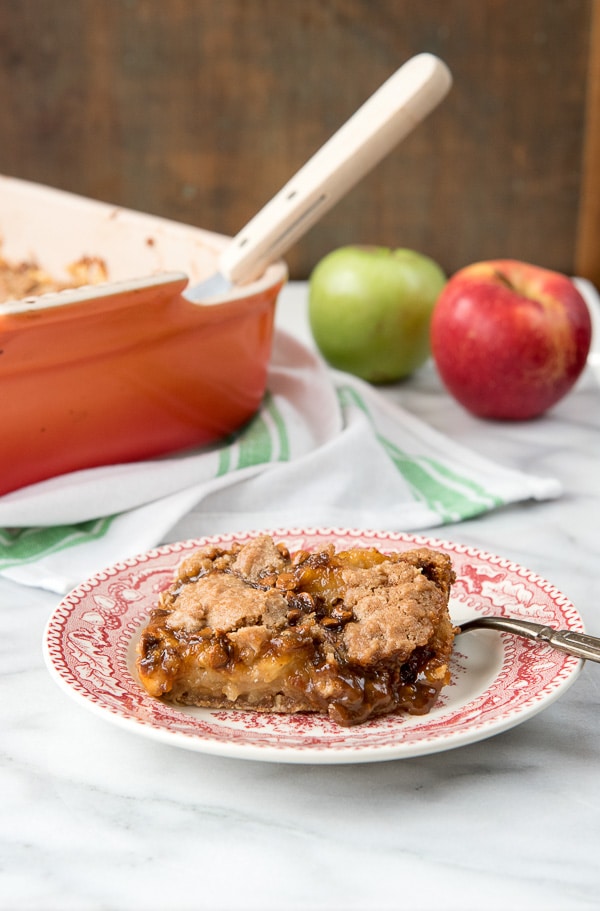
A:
x,y
127,369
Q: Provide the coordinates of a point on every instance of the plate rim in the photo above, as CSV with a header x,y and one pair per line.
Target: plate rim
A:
x,y
332,754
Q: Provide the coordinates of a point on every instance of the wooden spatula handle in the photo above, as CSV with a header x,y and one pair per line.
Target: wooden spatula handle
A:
x,y
367,137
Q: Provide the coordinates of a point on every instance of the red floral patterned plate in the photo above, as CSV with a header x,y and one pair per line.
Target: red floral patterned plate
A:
x,y
498,680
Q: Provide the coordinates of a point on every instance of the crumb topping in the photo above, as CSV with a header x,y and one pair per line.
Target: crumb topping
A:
x,y
395,608
224,602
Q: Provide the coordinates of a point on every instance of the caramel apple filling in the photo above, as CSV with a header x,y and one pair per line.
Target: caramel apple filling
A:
x,y
352,634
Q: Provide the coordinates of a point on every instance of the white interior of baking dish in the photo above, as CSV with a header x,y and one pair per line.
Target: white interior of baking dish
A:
x,y
55,229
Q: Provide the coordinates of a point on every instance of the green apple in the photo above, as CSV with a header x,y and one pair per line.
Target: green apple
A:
x,y
370,310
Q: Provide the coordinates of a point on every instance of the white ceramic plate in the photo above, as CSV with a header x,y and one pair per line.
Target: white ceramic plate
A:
x,y
498,680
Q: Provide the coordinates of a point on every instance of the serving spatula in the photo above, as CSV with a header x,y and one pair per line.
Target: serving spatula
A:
x,y
364,140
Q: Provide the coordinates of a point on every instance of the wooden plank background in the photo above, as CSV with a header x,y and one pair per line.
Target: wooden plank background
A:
x,y
199,110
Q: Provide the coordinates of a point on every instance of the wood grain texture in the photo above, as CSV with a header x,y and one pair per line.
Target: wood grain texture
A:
x,y
200,110
587,254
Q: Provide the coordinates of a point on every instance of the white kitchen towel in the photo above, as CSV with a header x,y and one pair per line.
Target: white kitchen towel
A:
x,y
324,449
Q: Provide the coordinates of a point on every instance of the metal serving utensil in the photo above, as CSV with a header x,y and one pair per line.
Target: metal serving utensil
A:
x,y
578,644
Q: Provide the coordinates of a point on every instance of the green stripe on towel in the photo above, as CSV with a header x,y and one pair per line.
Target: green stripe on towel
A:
x,y
26,545
255,446
448,494
278,421
451,495
263,439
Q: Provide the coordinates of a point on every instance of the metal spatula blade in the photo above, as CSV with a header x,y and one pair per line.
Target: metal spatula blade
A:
x,y
364,140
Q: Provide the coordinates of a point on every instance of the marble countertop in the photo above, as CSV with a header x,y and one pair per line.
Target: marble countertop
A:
x,y
94,817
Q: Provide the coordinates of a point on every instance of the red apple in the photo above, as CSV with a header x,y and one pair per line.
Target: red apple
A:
x,y
509,339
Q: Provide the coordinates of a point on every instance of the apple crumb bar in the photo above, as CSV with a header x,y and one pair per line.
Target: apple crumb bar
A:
x,y
350,634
